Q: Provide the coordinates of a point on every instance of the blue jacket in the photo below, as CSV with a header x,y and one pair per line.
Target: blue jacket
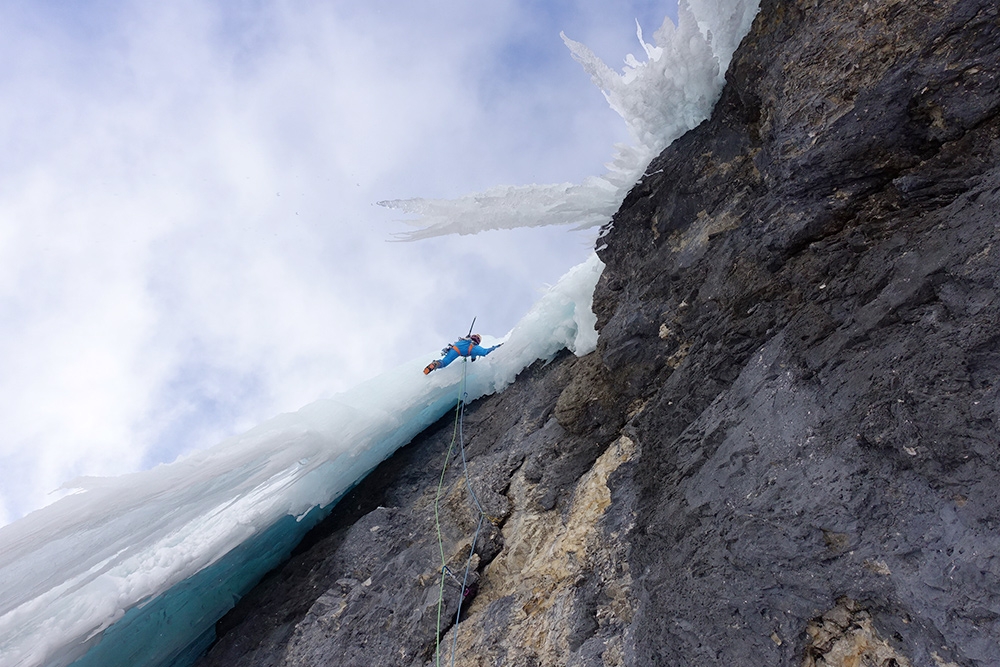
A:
x,y
463,347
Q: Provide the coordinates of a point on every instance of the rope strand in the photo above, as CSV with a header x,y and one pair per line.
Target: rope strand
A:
x,y
475,538
437,523
459,435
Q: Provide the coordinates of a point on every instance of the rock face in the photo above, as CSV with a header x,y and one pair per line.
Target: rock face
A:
x,y
786,448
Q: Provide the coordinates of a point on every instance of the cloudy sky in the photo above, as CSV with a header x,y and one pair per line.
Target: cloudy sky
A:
x,y
188,237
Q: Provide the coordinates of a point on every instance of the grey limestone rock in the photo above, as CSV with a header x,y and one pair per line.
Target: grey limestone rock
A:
x,y
786,448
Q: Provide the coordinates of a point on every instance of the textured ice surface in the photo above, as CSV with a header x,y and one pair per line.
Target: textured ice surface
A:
x,y
136,569
207,527
660,98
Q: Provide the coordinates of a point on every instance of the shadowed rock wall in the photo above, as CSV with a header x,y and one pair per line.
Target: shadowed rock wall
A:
x,y
786,449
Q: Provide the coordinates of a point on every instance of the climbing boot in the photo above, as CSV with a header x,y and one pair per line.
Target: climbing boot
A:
x,y
432,366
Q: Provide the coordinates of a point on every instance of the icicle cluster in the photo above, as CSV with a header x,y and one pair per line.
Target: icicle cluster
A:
x,y
660,99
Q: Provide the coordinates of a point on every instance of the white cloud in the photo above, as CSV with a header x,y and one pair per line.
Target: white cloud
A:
x,y
188,240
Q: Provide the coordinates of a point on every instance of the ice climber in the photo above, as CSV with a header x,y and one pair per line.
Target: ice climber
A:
x,y
463,347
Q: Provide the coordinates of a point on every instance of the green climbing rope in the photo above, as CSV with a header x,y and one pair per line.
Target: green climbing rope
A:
x,y
457,436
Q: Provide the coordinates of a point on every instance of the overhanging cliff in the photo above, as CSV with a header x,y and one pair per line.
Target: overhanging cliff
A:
x,y
785,449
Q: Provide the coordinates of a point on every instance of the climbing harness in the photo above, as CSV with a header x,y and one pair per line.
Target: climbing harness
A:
x,y
459,437
436,364
474,339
